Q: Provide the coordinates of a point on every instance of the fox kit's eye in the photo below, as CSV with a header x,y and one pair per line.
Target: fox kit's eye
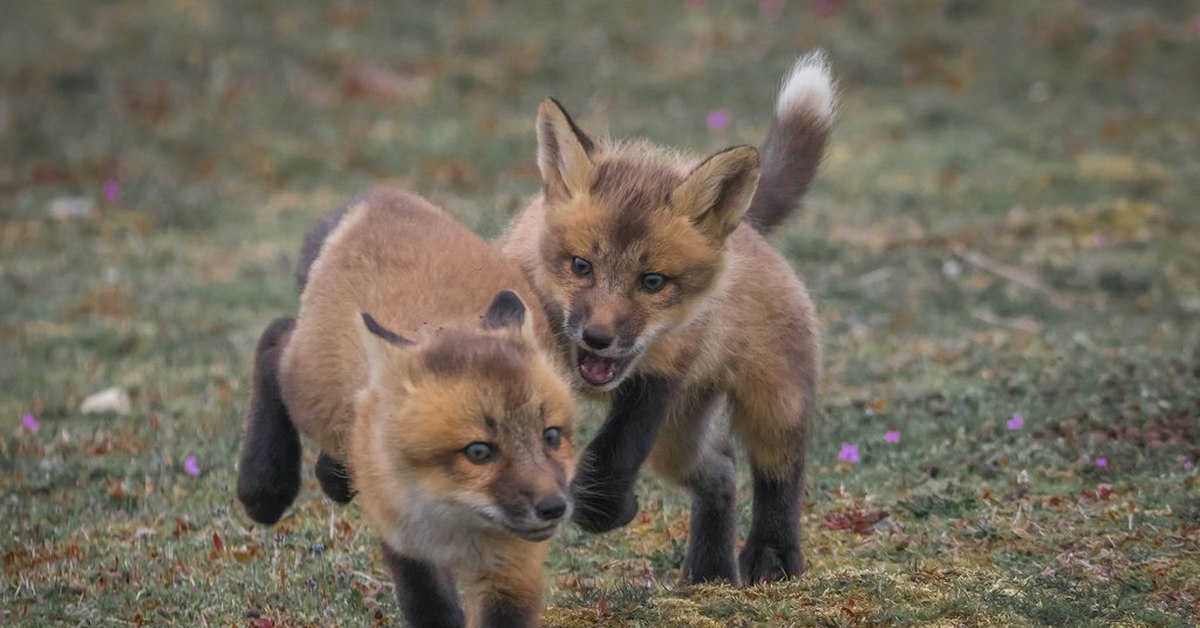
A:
x,y
653,282
479,453
553,437
581,267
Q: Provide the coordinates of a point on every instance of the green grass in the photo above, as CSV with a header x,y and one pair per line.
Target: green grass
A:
x,y
980,145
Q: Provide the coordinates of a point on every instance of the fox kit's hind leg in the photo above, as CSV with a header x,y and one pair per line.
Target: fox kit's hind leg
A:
x,y
774,428
691,452
269,471
603,486
772,550
426,594
334,477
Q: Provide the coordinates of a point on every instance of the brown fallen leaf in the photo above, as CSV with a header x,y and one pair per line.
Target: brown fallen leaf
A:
x,y
859,521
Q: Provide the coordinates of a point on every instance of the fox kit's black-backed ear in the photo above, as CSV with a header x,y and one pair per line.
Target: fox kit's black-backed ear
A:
x,y
379,343
717,193
564,152
508,310
390,336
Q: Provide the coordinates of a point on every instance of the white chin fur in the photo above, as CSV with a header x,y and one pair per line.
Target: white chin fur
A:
x,y
808,88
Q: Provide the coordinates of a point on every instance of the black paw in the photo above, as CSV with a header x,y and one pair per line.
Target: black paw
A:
x,y
723,569
705,565
334,478
764,562
596,512
266,495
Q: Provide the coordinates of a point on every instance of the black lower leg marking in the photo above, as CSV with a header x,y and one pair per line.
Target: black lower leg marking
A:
x,y
334,477
269,471
603,487
772,550
501,611
710,554
426,595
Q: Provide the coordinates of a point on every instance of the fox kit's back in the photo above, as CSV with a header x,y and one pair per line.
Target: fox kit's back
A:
x,y
409,264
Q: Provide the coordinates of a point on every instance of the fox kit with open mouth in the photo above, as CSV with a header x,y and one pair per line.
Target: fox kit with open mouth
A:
x,y
653,268
414,366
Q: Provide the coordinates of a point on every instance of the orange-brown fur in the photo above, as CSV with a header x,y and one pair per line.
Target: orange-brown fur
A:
x,y
732,326
401,416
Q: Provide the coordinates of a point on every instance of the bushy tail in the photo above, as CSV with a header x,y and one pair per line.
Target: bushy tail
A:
x,y
796,142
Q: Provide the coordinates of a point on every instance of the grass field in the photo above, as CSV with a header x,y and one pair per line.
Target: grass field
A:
x,y
1006,225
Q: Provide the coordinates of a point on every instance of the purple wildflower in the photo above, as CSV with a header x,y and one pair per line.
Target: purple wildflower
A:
x,y
191,467
718,119
1102,462
891,437
824,8
1187,464
112,190
849,453
1016,421
30,423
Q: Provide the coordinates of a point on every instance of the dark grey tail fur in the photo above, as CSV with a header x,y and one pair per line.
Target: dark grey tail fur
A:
x,y
795,143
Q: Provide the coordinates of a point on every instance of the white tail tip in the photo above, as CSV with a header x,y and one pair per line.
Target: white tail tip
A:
x,y
808,88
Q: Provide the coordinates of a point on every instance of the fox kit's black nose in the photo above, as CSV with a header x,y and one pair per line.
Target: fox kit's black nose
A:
x,y
550,508
597,337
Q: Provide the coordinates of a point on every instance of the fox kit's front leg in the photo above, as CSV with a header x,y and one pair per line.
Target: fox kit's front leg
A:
x,y
691,452
603,487
508,594
426,594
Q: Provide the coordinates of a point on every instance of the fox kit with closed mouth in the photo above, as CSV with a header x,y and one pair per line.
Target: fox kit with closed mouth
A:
x,y
653,268
414,366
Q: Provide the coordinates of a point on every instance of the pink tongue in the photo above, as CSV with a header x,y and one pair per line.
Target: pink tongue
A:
x,y
597,370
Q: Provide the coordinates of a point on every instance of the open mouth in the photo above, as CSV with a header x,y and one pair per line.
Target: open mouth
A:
x,y
598,370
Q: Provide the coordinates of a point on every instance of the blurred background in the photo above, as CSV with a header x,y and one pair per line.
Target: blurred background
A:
x,y
1004,246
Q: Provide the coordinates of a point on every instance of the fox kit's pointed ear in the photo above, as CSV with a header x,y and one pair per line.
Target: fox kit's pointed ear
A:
x,y
508,310
717,193
378,342
564,152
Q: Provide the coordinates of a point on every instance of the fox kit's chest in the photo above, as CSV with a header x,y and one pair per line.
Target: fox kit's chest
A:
x,y
434,531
